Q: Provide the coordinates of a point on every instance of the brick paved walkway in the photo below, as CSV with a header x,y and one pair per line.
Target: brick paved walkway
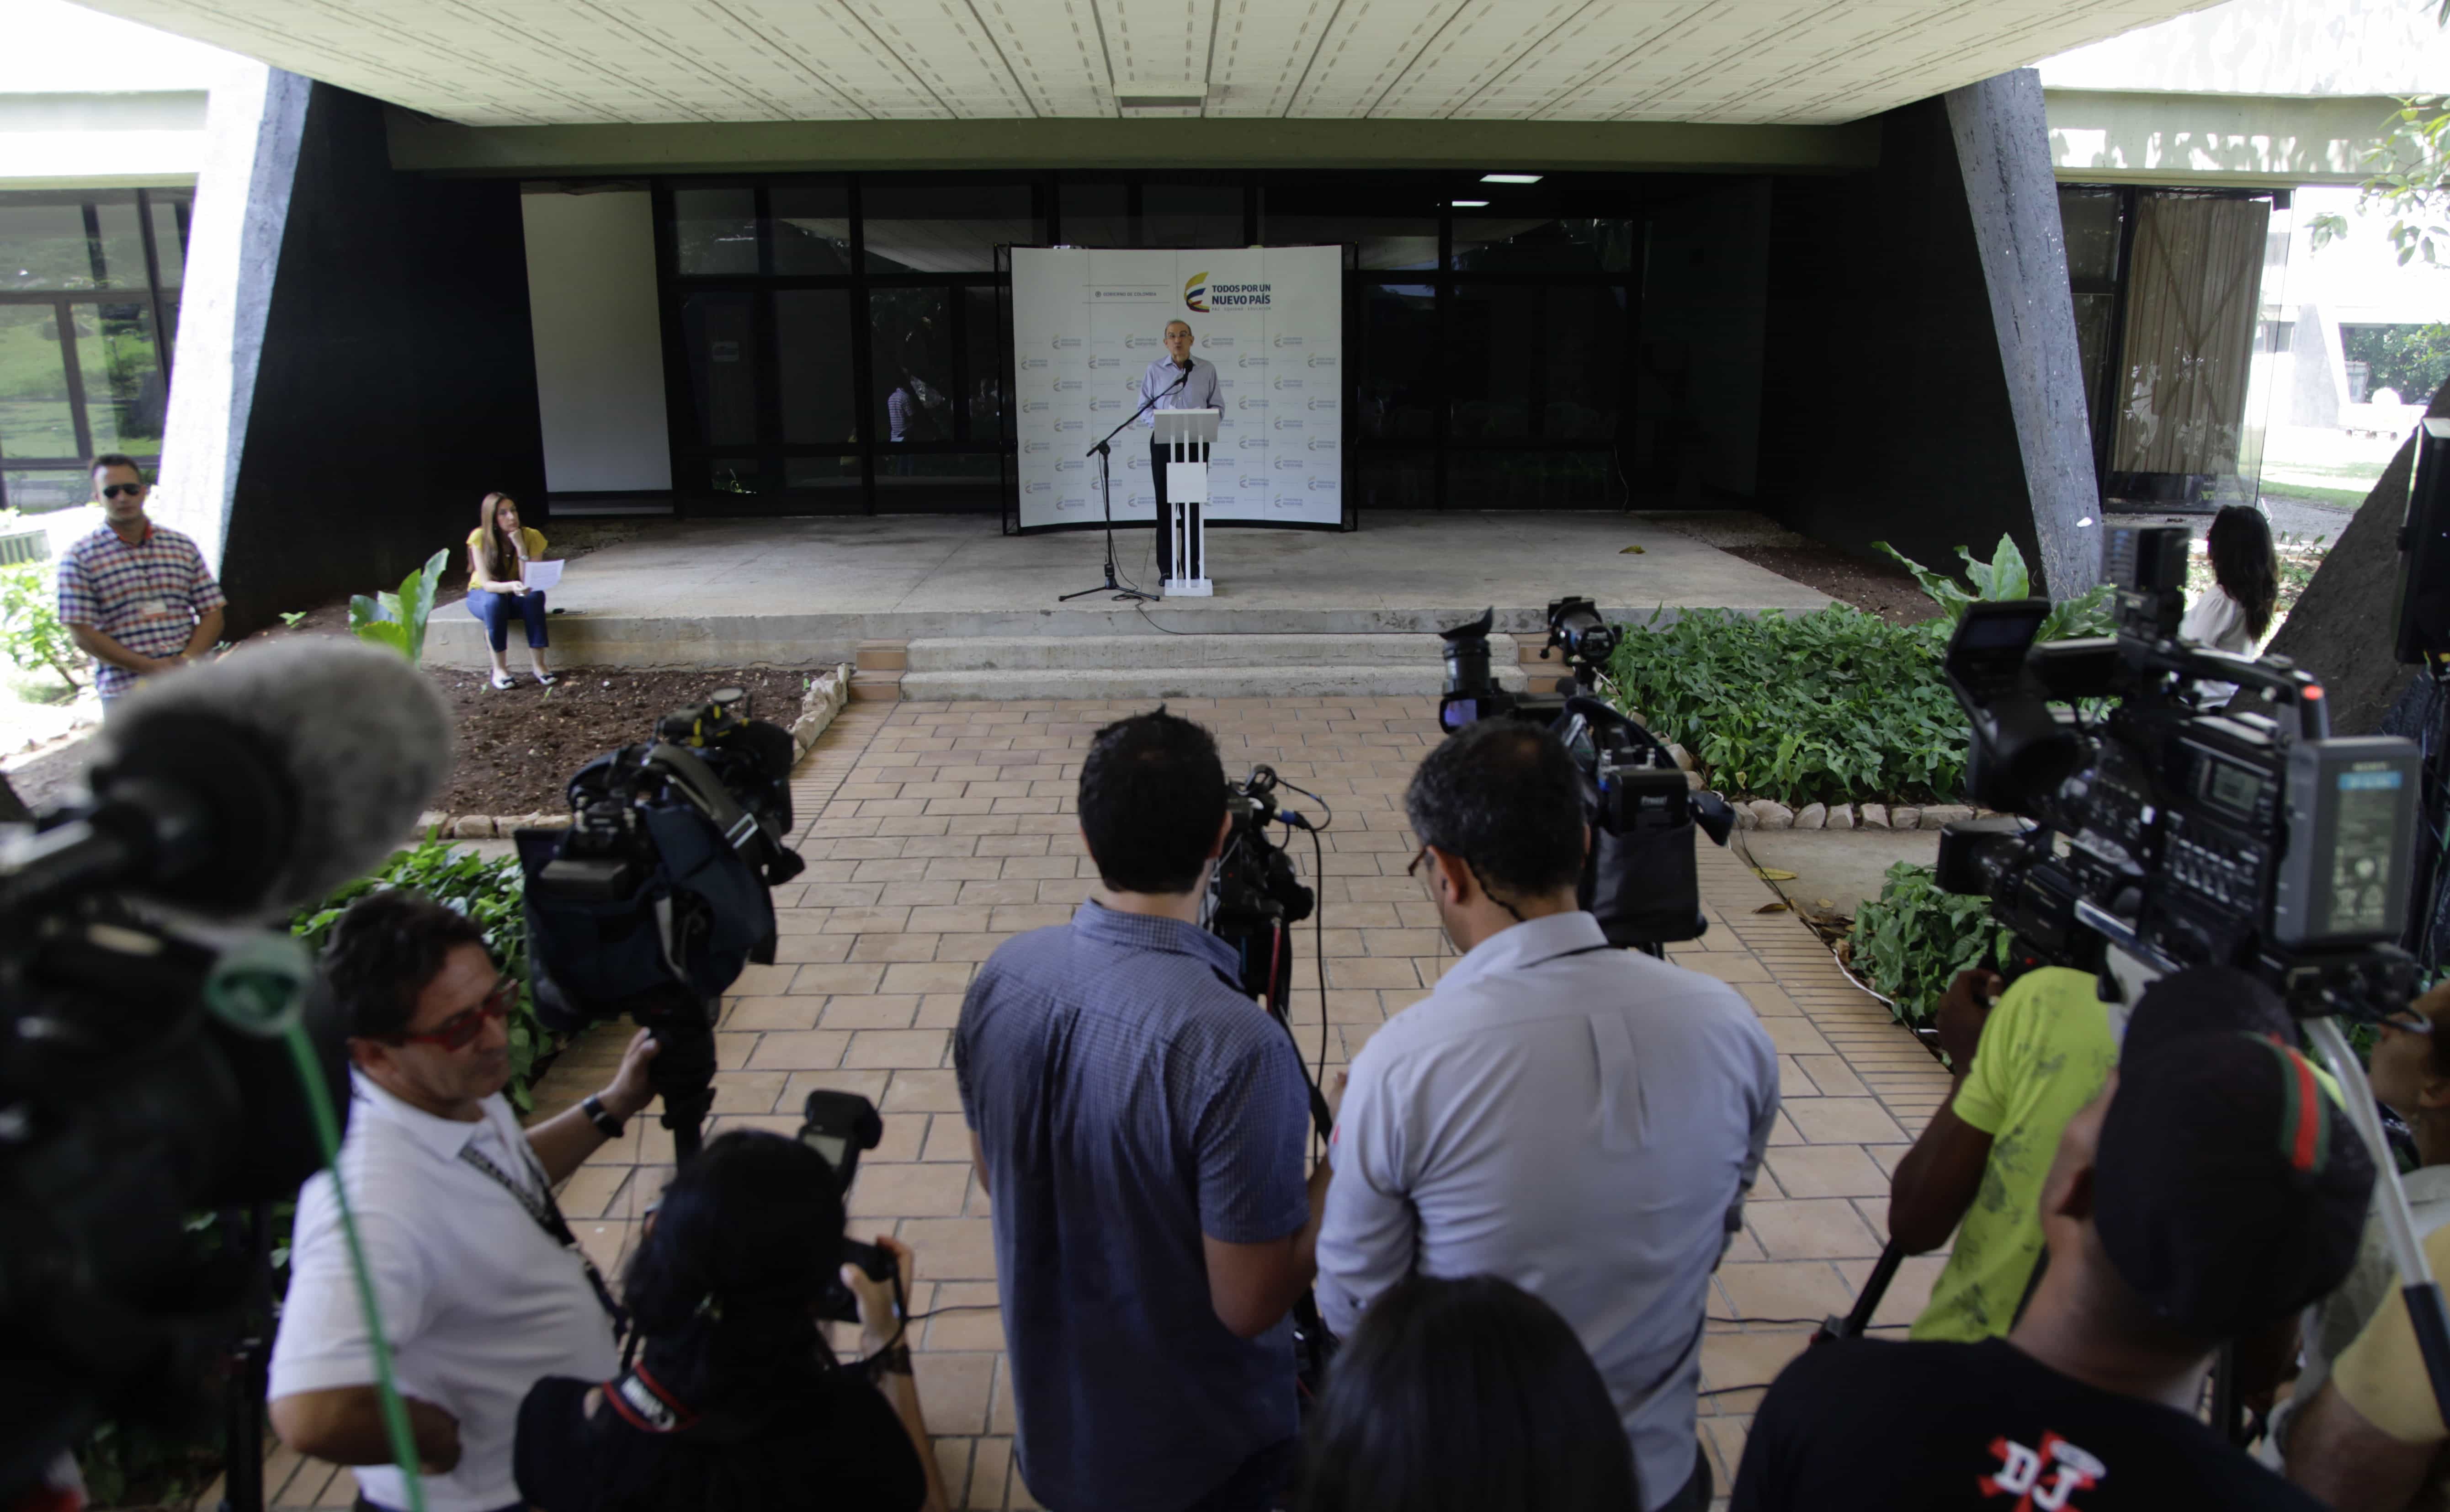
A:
x,y
934,831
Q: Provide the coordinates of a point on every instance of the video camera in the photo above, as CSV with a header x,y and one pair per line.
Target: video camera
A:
x,y
1640,879
155,1042
2179,836
839,1125
2243,836
660,890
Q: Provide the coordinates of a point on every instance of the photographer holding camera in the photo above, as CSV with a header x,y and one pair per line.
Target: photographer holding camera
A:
x,y
1139,1125
481,1285
732,1400
1581,1120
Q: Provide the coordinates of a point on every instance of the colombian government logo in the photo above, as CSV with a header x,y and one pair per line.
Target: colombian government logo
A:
x,y
1195,292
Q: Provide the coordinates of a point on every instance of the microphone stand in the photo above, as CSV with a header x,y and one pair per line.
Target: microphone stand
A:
x,y
1103,452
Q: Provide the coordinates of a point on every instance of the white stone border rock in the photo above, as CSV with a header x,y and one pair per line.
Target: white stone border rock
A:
x,y
826,697
1764,813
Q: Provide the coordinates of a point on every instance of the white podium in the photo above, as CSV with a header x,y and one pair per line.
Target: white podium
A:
x,y
1184,438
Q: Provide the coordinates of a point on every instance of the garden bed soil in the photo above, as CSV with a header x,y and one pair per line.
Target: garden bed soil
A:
x,y
1876,588
519,746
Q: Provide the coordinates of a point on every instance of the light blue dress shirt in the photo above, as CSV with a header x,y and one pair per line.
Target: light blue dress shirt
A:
x,y
1582,1120
1198,392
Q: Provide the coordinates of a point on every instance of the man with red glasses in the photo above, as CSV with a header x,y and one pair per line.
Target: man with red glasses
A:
x,y
482,1289
135,596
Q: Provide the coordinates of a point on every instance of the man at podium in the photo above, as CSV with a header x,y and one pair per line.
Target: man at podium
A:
x,y
1177,381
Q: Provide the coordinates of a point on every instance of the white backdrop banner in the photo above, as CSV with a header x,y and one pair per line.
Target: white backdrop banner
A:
x,y
1086,324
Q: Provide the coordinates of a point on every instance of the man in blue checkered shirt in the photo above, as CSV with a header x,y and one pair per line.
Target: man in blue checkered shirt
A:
x,y
135,595
1139,1125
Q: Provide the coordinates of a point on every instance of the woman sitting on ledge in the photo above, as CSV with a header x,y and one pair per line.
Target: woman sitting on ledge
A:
x,y
499,552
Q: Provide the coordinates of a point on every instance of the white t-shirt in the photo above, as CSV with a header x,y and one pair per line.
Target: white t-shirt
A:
x,y
2216,622
478,1301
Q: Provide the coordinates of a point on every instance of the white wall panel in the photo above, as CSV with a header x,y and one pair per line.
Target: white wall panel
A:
x,y
599,351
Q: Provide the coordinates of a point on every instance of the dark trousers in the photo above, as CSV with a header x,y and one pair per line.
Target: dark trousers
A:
x,y
1164,535
1699,1489
496,611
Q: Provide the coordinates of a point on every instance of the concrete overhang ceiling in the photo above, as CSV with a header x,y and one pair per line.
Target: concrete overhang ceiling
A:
x,y
488,63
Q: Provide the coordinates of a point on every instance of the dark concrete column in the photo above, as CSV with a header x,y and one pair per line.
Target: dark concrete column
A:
x,y
356,365
2003,151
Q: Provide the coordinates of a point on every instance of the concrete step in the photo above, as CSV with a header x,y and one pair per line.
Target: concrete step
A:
x,y
1186,682
967,653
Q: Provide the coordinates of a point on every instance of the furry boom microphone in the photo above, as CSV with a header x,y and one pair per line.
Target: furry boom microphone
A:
x,y
249,787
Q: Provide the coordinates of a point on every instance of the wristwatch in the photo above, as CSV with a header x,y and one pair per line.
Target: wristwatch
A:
x,y
605,1123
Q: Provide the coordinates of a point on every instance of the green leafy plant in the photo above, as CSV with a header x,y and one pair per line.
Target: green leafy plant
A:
x,y
291,617
32,635
2408,174
1832,705
1913,939
488,892
398,620
2004,576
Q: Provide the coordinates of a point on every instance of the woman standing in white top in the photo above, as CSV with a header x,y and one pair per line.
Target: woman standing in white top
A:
x,y
2236,612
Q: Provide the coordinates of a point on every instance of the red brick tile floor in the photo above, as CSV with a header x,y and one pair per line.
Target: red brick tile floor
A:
x,y
934,831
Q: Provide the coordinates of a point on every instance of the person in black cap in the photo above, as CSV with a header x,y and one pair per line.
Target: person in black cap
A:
x,y
2212,1188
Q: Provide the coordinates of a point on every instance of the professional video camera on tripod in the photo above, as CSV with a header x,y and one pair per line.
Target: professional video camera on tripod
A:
x,y
160,1055
2159,835
1639,881
659,891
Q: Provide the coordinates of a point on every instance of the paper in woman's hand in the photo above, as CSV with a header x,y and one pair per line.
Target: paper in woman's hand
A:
x,y
541,576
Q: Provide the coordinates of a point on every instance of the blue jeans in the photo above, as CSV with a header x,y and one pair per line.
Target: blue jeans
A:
x,y
496,609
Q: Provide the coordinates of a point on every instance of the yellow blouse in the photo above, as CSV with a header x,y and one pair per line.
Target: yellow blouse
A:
x,y
529,537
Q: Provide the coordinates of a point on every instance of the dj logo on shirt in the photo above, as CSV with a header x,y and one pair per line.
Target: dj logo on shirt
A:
x,y
2042,1479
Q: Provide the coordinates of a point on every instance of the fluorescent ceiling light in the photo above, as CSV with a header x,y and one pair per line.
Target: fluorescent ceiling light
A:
x,y
1509,178
1470,205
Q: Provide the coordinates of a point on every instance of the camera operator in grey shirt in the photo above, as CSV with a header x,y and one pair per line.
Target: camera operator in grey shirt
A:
x,y
1582,1120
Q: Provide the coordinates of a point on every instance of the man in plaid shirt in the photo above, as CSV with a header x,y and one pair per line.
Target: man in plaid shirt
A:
x,y
135,594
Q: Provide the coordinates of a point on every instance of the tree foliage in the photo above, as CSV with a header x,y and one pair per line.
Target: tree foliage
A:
x,y
2408,175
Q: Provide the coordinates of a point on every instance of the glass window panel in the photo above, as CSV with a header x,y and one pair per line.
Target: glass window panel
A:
x,y
34,416
1192,215
813,366
719,339
986,341
1583,361
2090,219
170,334
811,229
169,241
824,475
122,247
1489,242
42,242
1394,228
912,484
1400,355
1094,215
910,334
736,474
38,491
2093,316
123,390
946,229
1493,360
714,231
1527,481
1400,481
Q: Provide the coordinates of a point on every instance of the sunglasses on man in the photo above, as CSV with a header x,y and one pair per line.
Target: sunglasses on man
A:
x,y
114,490
460,1030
